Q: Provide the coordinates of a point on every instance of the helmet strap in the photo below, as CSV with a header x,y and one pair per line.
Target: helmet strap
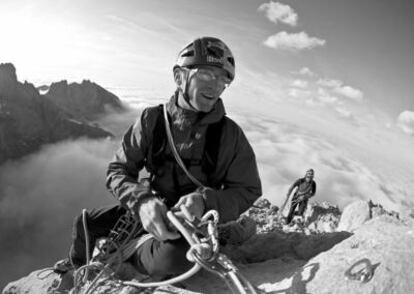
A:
x,y
183,90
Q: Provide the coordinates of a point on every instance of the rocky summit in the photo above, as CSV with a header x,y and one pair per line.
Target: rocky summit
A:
x,y
315,254
85,101
28,120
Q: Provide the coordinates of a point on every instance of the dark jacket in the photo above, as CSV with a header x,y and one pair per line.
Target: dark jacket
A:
x,y
235,180
304,188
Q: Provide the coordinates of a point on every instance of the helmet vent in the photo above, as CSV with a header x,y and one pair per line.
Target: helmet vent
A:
x,y
188,53
231,60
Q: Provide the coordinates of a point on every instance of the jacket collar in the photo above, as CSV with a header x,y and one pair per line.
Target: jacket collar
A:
x,y
184,117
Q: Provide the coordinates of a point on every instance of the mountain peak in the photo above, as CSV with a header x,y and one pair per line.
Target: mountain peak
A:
x,y
7,72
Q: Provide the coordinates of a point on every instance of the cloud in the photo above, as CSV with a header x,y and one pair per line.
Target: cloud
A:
x,y
324,97
293,42
40,196
329,83
299,93
305,71
343,112
339,88
350,92
284,152
278,12
300,84
405,122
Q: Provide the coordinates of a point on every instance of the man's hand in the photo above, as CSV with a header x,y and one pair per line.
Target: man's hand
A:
x,y
194,203
301,198
153,215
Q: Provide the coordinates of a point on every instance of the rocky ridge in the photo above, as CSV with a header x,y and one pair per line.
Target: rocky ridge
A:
x,y
85,101
29,120
306,257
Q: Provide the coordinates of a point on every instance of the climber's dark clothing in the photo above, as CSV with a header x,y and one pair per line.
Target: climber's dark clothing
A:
x,y
302,207
304,191
233,179
154,257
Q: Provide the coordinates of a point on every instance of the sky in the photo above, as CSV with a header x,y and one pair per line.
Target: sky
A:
x,y
321,84
366,47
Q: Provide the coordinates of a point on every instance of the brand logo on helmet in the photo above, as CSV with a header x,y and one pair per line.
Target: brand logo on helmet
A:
x,y
214,59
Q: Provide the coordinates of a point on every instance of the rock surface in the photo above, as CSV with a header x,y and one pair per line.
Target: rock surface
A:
x,y
354,216
358,212
28,120
281,261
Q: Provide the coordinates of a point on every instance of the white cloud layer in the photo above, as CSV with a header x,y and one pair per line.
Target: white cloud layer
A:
x,y
325,97
405,122
300,84
350,92
299,93
305,71
285,151
279,12
294,42
338,87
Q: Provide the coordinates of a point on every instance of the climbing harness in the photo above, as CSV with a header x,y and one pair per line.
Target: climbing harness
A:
x,y
364,274
201,234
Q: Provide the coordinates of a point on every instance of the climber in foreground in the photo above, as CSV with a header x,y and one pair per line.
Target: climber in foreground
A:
x,y
305,189
214,150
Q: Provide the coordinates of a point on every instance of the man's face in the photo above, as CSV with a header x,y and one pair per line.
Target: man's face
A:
x,y
205,85
308,178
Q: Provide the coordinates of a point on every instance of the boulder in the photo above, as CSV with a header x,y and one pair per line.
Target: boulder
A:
x,y
354,215
386,242
322,217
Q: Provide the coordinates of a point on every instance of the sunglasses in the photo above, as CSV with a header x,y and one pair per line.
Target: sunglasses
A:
x,y
207,75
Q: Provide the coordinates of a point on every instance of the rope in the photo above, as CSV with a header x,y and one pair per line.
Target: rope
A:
x,y
174,150
85,230
207,242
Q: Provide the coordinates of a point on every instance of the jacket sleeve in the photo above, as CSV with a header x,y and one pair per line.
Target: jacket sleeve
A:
x,y
123,170
241,185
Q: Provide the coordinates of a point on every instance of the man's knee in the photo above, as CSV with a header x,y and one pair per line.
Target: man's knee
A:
x,y
161,259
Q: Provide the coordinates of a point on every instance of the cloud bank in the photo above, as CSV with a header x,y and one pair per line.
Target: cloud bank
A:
x,y
339,88
285,151
305,71
39,197
293,42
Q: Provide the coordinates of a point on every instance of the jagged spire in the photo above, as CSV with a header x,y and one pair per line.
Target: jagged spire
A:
x,y
7,72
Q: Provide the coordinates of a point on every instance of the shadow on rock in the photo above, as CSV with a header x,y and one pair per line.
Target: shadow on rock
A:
x,y
273,245
300,279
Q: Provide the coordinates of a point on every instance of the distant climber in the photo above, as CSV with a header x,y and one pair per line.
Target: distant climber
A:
x,y
305,189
